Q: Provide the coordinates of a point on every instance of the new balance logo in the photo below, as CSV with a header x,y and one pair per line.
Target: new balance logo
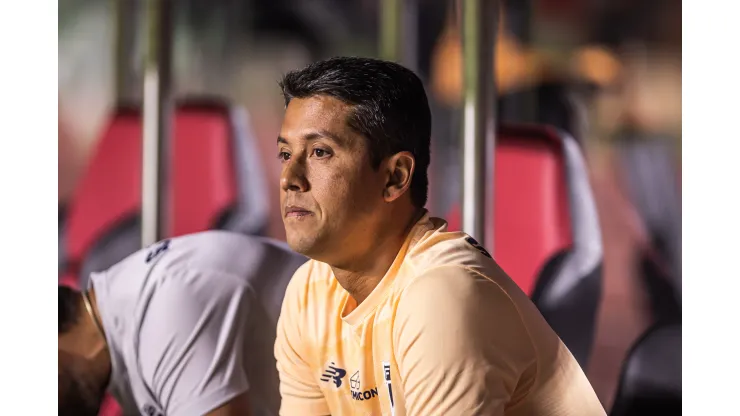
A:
x,y
335,374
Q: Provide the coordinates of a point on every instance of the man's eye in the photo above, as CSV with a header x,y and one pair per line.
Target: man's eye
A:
x,y
284,156
320,153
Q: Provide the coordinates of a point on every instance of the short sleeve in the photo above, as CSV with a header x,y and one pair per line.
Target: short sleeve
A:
x,y
299,390
190,344
460,344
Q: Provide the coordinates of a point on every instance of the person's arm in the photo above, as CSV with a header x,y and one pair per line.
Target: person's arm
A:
x,y
191,344
460,344
299,391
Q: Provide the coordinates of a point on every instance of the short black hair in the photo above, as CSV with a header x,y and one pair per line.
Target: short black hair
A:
x,y
77,396
69,308
390,109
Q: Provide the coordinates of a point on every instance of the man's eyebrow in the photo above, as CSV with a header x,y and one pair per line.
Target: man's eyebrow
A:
x,y
317,135
329,135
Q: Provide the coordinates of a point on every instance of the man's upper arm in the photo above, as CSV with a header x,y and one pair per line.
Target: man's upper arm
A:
x,y
300,394
460,344
190,344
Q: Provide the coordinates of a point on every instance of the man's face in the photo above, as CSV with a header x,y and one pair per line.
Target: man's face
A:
x,y
330,196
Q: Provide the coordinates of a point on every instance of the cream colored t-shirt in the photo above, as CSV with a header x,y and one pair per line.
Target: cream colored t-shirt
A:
x,y
446,332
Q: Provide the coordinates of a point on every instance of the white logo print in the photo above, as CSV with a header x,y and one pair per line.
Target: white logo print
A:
x,y
387,377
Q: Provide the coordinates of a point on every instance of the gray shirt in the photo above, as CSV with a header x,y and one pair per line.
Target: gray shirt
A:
x,y
190,323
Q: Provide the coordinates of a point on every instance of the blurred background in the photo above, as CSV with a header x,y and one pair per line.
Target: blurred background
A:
x,y
608,72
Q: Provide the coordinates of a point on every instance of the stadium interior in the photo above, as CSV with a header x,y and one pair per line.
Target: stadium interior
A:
x,y
584,178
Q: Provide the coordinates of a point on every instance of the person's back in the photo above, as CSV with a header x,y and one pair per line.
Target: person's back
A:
x,y
157,303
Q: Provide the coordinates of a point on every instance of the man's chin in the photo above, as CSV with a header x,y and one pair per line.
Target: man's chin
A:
x,y
301,244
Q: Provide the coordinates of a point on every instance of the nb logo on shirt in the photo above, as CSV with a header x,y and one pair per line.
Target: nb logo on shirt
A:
x,y
334,373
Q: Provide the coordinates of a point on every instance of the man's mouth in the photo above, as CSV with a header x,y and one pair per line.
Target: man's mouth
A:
x,y
293,211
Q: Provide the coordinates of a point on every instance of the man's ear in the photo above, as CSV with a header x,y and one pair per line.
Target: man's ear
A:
x,y
400,168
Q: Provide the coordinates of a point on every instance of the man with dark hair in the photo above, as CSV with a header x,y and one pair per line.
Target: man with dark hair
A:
x,y
185,327
393,314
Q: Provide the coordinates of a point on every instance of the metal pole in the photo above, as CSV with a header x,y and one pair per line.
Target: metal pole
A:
x,y
157,122
399,32
479,27
126,24
390,29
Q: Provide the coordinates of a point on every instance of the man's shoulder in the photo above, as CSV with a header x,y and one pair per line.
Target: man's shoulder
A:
x,y
247,257
448,281
219,245
456,280
455,296
433,242
456,253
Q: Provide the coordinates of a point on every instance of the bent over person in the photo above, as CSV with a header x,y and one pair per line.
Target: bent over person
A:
x,y
185,327
393,314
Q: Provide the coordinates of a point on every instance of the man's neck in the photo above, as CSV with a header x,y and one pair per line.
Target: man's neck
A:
x,y
365,273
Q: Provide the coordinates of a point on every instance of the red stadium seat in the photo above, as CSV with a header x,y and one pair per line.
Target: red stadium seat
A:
x,y
216,182
547,235
110,407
